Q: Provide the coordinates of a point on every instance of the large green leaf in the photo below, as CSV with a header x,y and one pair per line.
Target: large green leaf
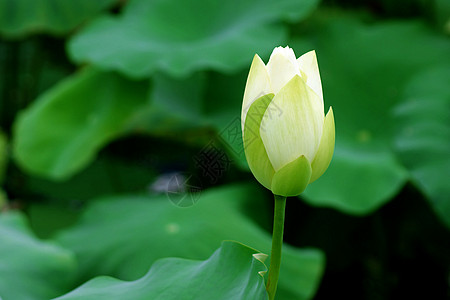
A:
x,y
62,131
30,268
176,106
363,69
182,98
232,272
21,17
105,176
123,236
423,136
179,37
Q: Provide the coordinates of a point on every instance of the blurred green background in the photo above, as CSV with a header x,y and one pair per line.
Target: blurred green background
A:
x,y
120,142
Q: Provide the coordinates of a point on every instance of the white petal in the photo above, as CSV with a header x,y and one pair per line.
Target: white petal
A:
x,y
282,67
258,85
292,124
308,65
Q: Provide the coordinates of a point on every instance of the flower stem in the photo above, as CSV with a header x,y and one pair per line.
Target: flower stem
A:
x,y
277,242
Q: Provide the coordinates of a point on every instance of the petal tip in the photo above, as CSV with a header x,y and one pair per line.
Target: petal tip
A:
x,y
330,113
256,57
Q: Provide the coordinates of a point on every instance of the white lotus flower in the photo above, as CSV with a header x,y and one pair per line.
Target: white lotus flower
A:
x,y
288,140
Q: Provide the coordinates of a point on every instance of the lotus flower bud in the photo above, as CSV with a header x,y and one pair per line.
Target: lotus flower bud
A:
x,y
288,141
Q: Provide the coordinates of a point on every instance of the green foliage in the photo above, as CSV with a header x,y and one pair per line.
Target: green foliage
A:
x,y
179,37
423,138
233,271
70,123
176,106
153,228
21,17
30,268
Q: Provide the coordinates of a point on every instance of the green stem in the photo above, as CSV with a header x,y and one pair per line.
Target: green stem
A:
x,y
277,243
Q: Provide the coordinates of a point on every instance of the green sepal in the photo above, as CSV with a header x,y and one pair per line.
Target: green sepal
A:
x,y
255,151
292,179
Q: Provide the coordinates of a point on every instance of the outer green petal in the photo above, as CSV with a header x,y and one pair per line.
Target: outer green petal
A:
x,y
292,124
326,148
255,152
292,179
258,84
